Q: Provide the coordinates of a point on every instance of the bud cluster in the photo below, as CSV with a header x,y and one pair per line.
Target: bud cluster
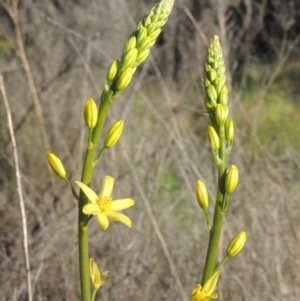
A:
x,y
137,48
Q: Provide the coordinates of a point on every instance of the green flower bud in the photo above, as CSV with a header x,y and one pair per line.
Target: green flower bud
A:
x,y
129,58
114,134
141,34
231,179
223,97
229,130
236,244
56,165
221,114
90,113
144,44
213,138
219,83
211,93
112,71
153,36
123,79
212,74
142,56
201,194
131,43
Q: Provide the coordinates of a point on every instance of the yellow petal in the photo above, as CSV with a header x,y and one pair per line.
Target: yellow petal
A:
x,y
119,217
118,205
91,209
103,221
106,187
211,283
90,194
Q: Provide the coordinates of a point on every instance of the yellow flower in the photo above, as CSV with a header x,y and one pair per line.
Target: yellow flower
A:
x,y
205,293
103,206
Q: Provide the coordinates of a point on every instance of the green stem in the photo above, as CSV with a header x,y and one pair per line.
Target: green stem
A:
x,y
94,294
215,233
86,178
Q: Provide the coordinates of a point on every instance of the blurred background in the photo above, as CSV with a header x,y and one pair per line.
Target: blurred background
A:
x,y
162,152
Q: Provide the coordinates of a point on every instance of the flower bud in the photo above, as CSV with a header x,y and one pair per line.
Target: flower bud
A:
x,y
144,43
153,36
229,130
219,83
221,114
97,279
142,56
211,93
56,165
236,244
129,58
231,179
213,138
90,113
112,71
212,74
123,79
131,43
114,134
141,34
223,97
201,194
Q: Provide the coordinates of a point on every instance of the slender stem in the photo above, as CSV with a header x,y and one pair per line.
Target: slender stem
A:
x,y
86,178
94,294
215,233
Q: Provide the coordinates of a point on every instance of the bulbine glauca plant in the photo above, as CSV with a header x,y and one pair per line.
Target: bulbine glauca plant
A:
x,y
90,204
220,136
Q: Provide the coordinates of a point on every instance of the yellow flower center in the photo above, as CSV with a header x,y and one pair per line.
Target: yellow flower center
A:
x,y
104,203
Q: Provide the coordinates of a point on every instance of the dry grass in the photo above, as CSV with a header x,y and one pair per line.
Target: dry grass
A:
x,y
162,153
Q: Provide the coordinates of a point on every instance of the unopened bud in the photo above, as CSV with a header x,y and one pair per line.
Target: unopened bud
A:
x,y
221,114
56,165
142,56
223,97
229,130
212,74
131,43
153,36
114,134
213,138
129,58
144,43
211,93
201,194
112,71
231,179
236,244
219,83
141,34
90,113
123,79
